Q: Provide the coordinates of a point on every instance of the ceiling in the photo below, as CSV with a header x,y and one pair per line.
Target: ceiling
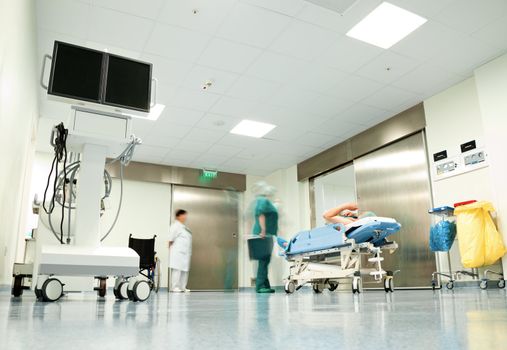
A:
x,y
286,62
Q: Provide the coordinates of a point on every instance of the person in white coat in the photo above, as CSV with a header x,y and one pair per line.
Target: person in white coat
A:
x,y
180,246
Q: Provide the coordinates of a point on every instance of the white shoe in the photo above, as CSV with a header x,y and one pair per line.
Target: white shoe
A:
x,y
177,290
187,290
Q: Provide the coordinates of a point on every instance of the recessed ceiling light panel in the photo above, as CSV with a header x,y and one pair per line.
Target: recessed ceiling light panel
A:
x,y
386,25
252,128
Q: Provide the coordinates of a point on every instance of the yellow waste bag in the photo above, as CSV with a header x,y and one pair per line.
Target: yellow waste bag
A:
x,y
480,243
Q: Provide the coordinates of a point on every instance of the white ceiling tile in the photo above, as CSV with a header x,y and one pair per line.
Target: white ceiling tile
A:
x,y
328,106
242,25
288,7
318,78
166,134
228,56
119,29
364,115
285,133
142,127
145,150
426,79
388,98
197,100
468,16
426,8
294,97
238,164
332,20
276,67
176,43
303,40
206,18
134,7
64,16
314,139
223,150
251,154
147,159
246,142
167,71
354,88
181,155
388,67
199,75
218,122
251,88
179,116
348,55
212,161
205,135
494,33
339,127
191,145
234,107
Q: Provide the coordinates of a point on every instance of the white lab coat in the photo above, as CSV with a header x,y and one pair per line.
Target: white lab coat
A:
x,y
181,249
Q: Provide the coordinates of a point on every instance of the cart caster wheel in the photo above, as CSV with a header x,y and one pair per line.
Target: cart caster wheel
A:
x,y
388,284
52,289
333,286
483,284
17,286
318,288
139,291
289,287
356,286
38,293
501,284
121,292
450,285
101,290
433,284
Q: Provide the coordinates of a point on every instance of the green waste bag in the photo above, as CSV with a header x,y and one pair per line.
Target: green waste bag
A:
x,y
480,243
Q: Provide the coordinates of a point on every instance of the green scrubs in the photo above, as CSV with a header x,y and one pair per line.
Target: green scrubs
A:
x,y
263,206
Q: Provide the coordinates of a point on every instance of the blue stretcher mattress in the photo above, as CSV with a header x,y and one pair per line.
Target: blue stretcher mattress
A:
x,y
372,229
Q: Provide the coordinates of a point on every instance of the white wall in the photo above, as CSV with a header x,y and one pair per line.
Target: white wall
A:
x,y
18,119
491,80
452,118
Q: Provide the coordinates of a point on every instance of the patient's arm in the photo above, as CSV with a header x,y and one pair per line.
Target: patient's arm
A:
x,y
262,224
334,215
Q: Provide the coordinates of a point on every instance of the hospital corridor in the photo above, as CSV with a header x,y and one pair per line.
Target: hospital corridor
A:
x,y
253,174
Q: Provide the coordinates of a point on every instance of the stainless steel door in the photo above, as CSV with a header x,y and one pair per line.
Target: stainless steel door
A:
x,y
394,182
213,220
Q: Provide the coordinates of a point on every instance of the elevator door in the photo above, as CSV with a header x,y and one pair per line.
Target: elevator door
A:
x,y
213,220
394,182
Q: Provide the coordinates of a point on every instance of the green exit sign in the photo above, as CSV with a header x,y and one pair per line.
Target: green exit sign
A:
x,y
209,174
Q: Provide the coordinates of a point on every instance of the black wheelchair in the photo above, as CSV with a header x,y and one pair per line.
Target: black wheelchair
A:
x,y
149,264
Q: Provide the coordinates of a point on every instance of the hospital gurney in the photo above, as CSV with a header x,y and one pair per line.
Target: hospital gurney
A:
x,y
324,255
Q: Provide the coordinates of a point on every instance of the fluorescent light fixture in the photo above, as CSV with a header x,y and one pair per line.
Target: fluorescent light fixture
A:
x,y
154,114
386,25
252,129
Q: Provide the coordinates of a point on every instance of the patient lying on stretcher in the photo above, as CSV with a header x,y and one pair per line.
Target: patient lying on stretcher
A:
x,y
345,222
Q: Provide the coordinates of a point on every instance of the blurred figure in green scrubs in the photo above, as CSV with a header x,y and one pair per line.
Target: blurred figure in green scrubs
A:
x,y
265,227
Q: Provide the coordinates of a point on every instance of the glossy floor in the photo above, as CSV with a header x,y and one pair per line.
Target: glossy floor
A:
x,y
459,319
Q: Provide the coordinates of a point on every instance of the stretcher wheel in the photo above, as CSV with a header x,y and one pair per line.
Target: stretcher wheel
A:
x,y
121,292
483,284
138,290
388,284
38,293
501,283
356,285
318,288
17,286
433,284
52,289
450,285
332,286
101,290
289,287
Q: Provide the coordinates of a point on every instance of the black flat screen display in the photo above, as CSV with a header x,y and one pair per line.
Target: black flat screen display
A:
x,y
128,83
76,72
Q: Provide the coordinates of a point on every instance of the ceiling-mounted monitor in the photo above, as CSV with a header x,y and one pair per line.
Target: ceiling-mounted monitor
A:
x,y
76,72
128,83
80,73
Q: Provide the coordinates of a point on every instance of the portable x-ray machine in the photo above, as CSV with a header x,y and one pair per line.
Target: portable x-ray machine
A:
x,y
96,136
